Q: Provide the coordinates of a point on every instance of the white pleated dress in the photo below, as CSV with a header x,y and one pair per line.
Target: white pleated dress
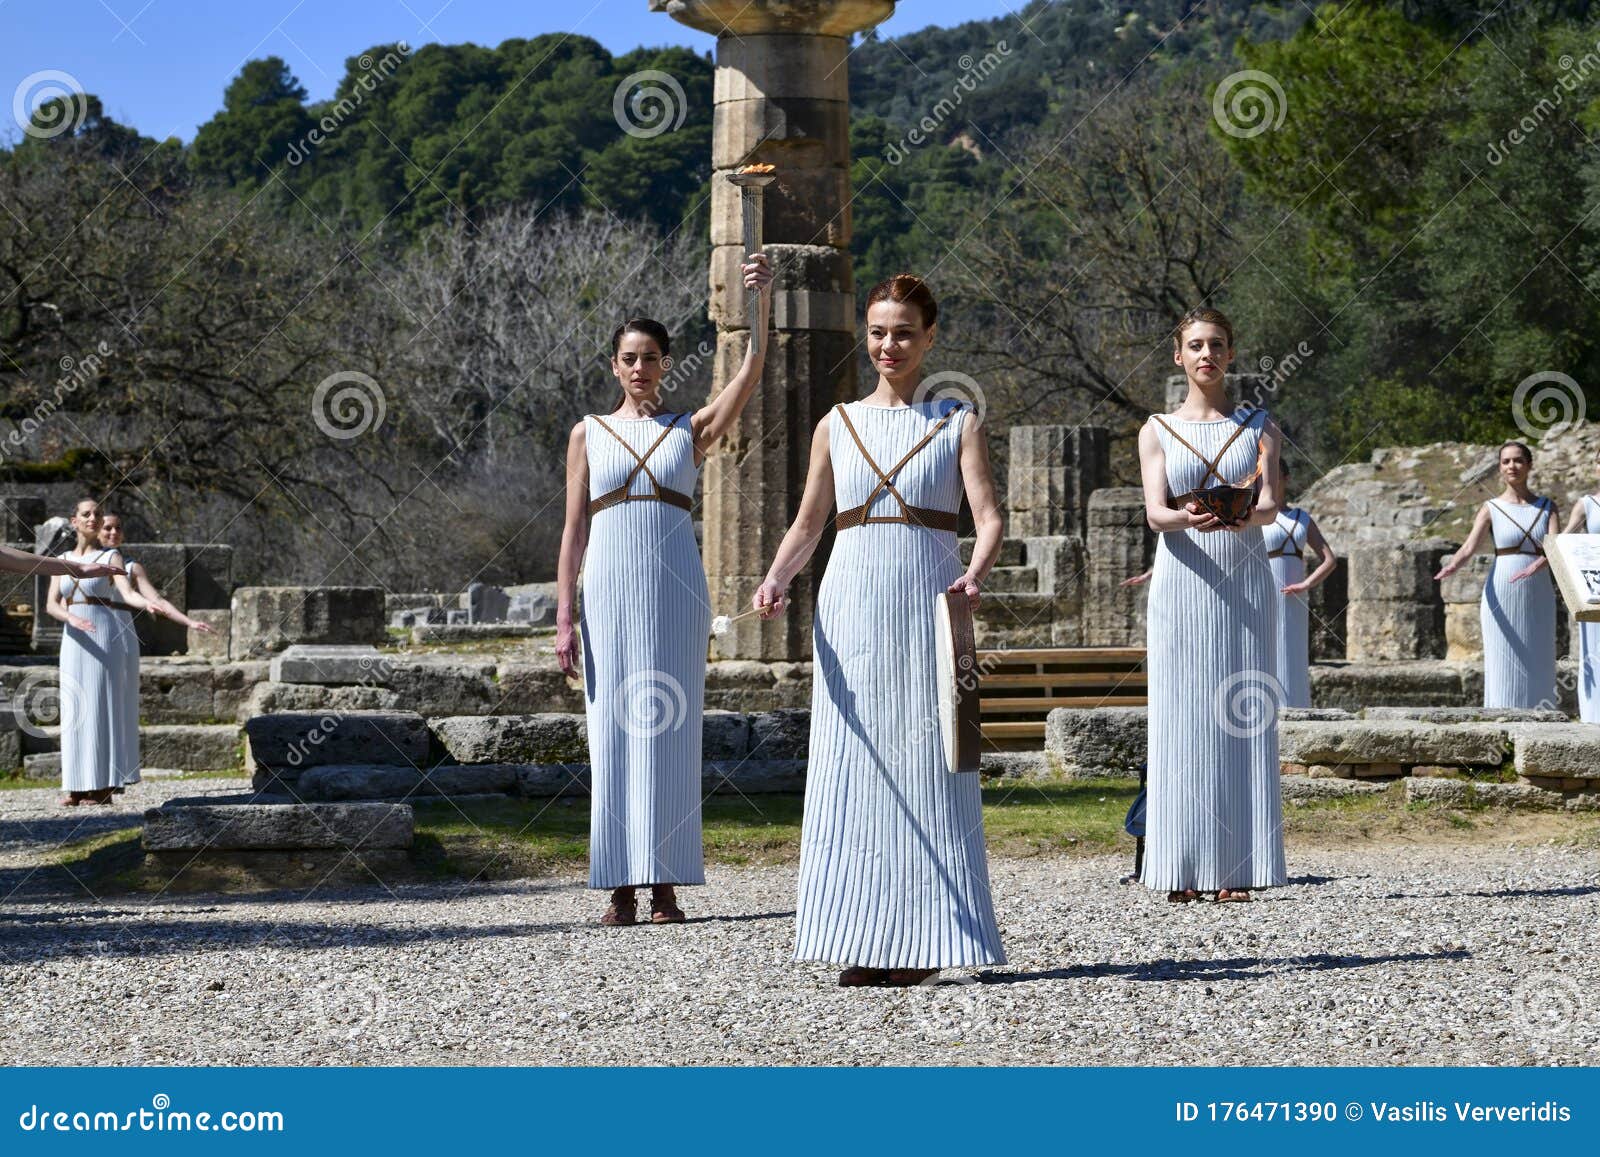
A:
x,y
1285,541
99,687
1589,637
1518,619
1215,811
893,868
646,622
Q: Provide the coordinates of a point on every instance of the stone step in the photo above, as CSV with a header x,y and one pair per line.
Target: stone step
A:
x,y
1569,752
167,746
1009,579
1467,714
1398,742
556,738
294,741
1014,620
344,782
1013,551
196,827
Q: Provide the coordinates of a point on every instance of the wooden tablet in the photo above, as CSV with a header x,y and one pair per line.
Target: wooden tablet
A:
x,y
959,724
1575,561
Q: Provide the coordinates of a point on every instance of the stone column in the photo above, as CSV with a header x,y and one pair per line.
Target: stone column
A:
x,y
782,98
1396,610
1120,545
1051,472
1462,592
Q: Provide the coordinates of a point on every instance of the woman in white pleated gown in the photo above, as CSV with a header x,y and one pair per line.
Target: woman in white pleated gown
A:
x,y
646,614
894,877
1286,538
1214,812
1586,520
1517,612
99,694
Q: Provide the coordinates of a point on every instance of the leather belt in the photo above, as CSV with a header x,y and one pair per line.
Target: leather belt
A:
x,y
1500,550
913,515
1281,553
620,495
112,603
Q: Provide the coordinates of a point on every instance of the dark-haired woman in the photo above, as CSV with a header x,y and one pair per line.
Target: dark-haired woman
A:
x,y
1214,812
1517,613
646,617
894,876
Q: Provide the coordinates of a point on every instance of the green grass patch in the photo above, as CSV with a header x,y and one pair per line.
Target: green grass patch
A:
x,y
527,838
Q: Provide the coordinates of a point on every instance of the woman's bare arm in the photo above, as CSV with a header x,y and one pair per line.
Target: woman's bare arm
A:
x,y
711,422
56,607
1153,474
800,543
574,541
1316,542
977,477
1480,527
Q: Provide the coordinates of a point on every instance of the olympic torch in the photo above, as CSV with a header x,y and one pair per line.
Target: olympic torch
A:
x,y
752,181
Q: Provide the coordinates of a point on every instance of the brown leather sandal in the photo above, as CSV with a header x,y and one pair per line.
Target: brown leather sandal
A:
x,y
1233,896
623,909
858,977
909,977
664,906
1187,896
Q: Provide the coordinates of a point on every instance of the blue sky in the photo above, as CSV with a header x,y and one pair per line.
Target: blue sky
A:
x,y
161,65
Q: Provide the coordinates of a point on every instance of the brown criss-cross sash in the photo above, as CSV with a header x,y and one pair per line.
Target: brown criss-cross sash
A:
x,y
1178,502
1526,532
1284,551
74,599
620,495
914,515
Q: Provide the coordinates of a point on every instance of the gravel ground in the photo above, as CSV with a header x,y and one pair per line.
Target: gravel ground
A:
x,y
1395,955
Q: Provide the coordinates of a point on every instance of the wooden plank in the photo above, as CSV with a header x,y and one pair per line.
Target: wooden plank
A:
x,y
1064,655
1030,730
1043,679
1043,704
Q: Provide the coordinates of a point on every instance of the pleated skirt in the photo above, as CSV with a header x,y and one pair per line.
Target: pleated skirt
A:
x,y
1518,621
1214,817
646,621
1294,633
99,701
893,868
1589,672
